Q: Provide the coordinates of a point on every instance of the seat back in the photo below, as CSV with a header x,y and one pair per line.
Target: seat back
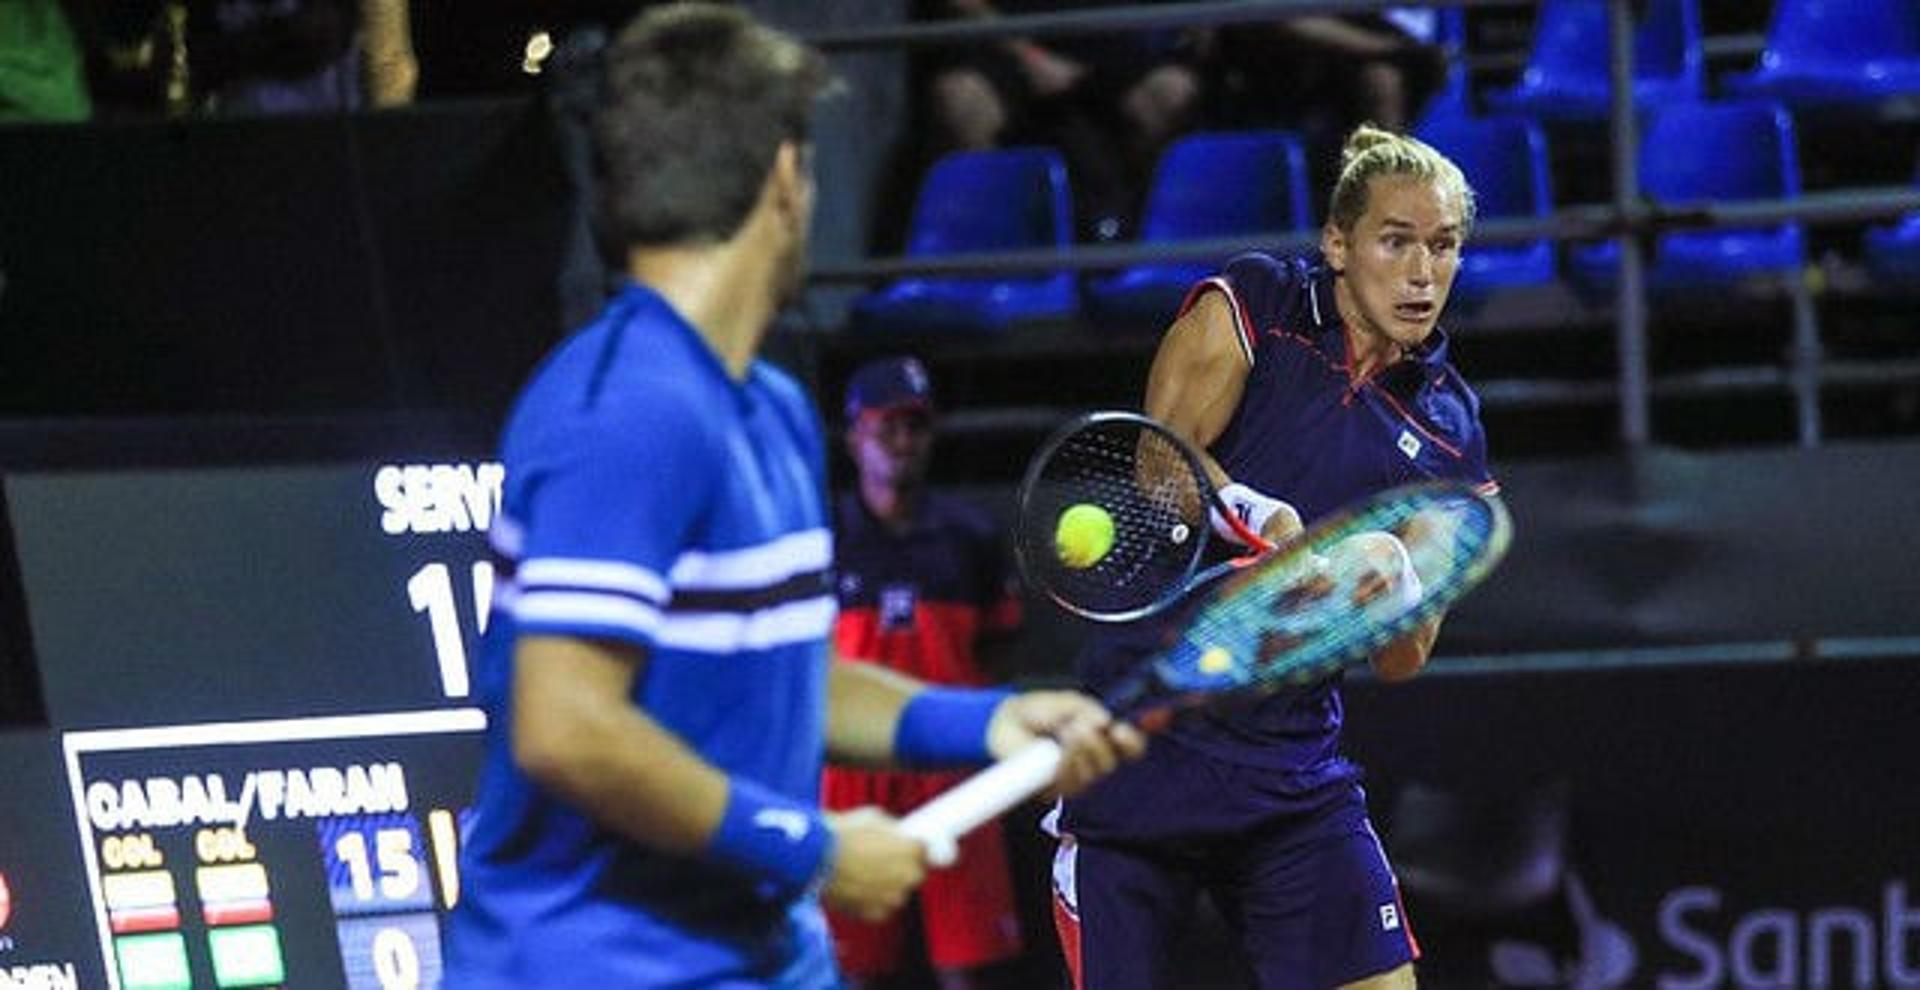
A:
x,y
992,200
1841,32
1567,36
1227,183
1721,151
1455,98
1570,44
1505,161
1667,45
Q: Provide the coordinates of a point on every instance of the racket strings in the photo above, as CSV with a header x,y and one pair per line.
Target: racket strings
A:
x,y
1300,616
1149,490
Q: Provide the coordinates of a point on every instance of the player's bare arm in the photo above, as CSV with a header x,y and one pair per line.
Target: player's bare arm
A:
x,y
865,702
1407,656
1198,377
577,733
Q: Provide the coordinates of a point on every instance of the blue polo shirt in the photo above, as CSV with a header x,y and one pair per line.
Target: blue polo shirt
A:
x,y
1311,433
655,500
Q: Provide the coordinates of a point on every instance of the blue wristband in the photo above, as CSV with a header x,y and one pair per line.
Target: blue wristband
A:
x,y
946,727
776,840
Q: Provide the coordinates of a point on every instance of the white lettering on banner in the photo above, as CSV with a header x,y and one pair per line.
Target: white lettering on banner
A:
x,y
316,792
1779,947
42,976
438,498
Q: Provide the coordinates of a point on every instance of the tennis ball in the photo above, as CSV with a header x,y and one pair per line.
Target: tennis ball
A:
x,y
1083,536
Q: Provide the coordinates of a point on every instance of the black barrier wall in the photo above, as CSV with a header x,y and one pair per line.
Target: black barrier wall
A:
x,y
1683,827
1667,547
321,264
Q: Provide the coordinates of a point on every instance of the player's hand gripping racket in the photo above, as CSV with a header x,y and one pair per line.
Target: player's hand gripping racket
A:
x,y
1348,587
1115,516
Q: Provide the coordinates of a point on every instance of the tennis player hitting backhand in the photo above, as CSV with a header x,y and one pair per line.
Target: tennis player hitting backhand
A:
x,y
656,672
1311,382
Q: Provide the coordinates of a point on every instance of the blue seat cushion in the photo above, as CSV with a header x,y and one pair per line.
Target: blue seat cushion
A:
x,y
1807,83
1501,266
1893,253
963,305
1697,260
1146,296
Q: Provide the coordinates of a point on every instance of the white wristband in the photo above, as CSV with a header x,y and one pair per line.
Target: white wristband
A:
x,y
1249,506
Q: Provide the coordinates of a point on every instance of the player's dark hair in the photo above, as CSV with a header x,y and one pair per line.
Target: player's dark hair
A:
x,y
698,99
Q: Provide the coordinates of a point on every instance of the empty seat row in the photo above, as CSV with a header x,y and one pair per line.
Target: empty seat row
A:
x,y
1245,184
1215,185
1818,53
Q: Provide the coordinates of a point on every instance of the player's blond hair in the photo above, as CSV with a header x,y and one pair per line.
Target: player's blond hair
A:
x,y
1372,152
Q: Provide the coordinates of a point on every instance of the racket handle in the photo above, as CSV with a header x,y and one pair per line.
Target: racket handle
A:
x,y
941,822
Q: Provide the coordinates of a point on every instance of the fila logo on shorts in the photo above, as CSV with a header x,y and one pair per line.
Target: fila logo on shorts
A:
x,y
1389,917
1409,444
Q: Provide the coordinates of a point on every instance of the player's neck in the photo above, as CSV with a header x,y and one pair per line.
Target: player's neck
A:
x,y
893,505
711,286
1368,350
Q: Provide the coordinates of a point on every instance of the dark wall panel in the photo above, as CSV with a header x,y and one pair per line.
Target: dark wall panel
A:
x,y
404,260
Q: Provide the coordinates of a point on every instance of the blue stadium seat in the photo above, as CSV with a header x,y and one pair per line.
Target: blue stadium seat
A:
x,y
1212,185
1505,160
1455,98
1003,199
1695,152
1567,73
1893,253
1835,52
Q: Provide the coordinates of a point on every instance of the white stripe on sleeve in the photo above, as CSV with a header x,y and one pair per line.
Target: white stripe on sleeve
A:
x,y
755,566
727,632
594,575
584,608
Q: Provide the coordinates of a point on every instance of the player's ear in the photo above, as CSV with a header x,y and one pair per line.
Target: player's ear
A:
x,y
1333,244
791,178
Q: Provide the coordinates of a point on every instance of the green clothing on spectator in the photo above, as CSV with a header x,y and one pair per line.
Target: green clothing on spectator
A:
x,y
41,77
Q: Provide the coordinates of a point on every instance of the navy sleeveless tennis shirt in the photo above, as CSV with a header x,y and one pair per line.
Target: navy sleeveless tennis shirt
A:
x,y
1310,433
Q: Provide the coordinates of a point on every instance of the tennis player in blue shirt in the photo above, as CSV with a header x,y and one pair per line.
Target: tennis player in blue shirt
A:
x,y
1310,382
656,672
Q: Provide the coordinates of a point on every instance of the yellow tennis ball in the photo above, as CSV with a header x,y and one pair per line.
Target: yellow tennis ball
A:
x,y
1083,536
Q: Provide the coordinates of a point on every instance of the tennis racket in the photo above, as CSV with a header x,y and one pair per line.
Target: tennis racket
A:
x,y
1350,585
1153,491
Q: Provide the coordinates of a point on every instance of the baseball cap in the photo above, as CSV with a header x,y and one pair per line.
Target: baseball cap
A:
x,y
889,383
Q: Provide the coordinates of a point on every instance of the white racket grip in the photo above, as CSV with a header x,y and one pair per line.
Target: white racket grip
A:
x,y
986,795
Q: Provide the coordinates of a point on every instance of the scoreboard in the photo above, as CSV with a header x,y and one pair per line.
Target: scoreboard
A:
x,y
214,852
262,742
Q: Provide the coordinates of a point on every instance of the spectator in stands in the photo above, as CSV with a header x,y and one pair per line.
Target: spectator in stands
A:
x,y
255,56
1109,101
923,583
1323,75
41,72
